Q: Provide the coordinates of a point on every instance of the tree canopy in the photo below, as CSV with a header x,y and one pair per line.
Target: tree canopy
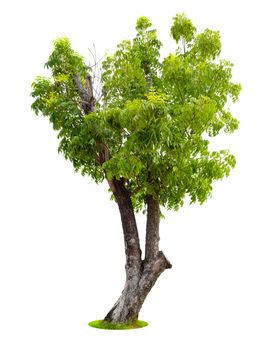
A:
x,y
153,124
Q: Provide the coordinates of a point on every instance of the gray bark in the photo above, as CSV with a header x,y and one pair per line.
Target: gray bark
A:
x,y
135,291
86,94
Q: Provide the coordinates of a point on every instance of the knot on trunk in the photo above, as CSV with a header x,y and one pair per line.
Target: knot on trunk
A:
x,y
157,264
165,262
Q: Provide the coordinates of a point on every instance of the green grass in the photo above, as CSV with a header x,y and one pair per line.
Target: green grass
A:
x,y
118,326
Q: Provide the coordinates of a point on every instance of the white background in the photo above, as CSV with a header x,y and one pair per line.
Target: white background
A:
x,y
61,246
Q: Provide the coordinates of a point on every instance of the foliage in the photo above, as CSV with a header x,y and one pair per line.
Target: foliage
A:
x,y
182,28
155,120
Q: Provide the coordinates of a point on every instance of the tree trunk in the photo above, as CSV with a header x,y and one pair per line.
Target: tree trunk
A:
x,y
140,275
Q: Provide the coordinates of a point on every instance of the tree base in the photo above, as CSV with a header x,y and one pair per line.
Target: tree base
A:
x,y
101,324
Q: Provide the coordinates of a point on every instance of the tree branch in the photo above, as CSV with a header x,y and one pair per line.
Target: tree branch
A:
x,y
130,231
152,228
89,91
86,94
104,154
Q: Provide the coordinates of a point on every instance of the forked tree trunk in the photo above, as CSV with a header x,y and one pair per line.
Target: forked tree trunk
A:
x,y
140,275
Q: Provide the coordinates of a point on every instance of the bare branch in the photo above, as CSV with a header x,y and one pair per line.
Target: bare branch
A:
x,y
86,94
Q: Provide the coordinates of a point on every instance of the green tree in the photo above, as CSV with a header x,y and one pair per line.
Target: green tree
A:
x,y
147,136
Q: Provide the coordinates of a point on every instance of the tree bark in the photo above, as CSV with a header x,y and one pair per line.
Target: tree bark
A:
x,y
152,228
140,275
86,94
131,237
120,311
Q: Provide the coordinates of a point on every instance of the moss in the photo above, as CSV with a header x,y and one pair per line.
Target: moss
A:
x,y
117,326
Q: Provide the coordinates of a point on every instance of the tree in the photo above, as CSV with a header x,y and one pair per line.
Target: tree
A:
x,y
147,135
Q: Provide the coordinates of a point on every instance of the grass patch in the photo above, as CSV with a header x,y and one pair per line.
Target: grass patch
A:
x,y
117,326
